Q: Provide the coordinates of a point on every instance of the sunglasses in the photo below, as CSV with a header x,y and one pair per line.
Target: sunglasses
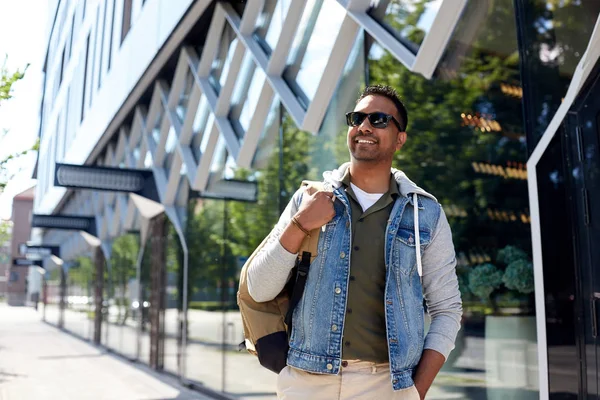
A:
x,y
377,119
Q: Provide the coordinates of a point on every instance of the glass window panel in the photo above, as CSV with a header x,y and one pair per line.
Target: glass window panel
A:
x,y
222,61
184,98
136,154
173,297
205,308
245,97
148,160
555,34
52,297
156,126
143,299
408,20
312,46
199,128
268,145
221,235
306,156
560,286
78,313
170,148
467,146
270,23
123,303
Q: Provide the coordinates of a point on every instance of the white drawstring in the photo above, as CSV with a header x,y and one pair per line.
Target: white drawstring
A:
x,y
417,236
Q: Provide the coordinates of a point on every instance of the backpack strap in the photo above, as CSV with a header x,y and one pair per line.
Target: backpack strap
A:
x,y
306,254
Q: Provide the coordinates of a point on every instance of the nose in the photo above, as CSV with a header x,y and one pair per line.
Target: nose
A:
x,y
365,125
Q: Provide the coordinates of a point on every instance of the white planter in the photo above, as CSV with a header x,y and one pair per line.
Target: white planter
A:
x,y
511,357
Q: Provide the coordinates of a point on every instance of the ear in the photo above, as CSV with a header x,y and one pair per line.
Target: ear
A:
x,y
400,140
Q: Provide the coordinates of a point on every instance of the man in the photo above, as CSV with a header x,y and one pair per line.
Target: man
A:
x,y
358,331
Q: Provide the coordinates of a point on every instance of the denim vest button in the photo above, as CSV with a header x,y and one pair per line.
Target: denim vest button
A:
x,y
329,367
338,290
334,327
410,239
342,255
347,224
395,381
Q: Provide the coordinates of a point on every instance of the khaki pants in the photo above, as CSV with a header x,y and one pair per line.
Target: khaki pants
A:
x,y
358,380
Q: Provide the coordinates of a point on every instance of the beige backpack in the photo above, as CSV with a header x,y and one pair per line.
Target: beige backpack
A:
x,y
267,325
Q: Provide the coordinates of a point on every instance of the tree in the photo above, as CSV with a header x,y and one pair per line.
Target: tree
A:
x,y
123,261
7,80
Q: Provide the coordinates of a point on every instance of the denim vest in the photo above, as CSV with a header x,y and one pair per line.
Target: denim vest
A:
x,y
318,320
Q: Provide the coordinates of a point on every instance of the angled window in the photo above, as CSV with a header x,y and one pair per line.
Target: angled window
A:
x,y
407,20
222,61
270,23
85,67
414,31
126,23
94,52
246,96
105,10
199,129
184,98
318,30
112,30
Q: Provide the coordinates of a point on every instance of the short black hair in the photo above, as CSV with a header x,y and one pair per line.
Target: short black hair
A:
x,y
391,94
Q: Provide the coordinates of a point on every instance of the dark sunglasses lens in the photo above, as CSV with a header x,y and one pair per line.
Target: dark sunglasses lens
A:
x,y
355,118
378,120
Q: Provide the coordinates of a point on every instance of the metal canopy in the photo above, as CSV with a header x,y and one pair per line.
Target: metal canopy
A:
x,y
138,181
26,262
65,222
38,250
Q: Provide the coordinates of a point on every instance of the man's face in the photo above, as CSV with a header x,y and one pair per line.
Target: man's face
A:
x,y
370,144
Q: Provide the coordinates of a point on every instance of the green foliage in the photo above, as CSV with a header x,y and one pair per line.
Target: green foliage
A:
x,y
516,272
5,231
510,254
484,279
123,260
8,79
519,276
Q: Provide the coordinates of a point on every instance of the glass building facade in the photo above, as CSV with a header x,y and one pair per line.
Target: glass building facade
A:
x,y
259,98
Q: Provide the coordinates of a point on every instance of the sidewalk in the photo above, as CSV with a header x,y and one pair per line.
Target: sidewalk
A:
x,y
39,362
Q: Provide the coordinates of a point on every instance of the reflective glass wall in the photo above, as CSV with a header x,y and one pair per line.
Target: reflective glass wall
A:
x,y
79,302
466,145
52,296
554,36
122,306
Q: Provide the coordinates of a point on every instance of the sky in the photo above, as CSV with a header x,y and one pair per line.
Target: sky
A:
x,y
22,39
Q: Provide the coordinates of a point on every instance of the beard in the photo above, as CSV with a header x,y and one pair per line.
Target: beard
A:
x,y
370,153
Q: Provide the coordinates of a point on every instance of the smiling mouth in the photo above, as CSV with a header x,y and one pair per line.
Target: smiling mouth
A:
x,y
364,141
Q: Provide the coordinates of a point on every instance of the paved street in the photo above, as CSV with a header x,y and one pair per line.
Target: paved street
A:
x,y
37,361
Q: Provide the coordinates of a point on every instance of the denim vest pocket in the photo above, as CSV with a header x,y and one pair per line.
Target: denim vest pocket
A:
x,y
404,253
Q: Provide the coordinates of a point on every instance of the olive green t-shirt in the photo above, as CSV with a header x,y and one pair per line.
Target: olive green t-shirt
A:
x,y
364,328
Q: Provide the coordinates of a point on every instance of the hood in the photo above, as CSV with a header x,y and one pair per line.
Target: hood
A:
x,y
405,186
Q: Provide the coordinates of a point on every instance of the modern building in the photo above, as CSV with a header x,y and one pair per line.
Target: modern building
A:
x,y
18,283
503,129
